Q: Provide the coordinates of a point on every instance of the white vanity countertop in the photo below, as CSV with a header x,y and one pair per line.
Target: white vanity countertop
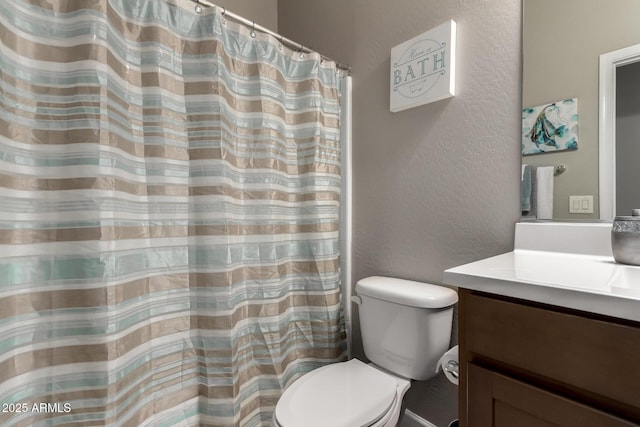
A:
x,y
590,283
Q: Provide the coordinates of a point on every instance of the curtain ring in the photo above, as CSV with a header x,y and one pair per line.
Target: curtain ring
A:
x,y
224,11
198,8
253,31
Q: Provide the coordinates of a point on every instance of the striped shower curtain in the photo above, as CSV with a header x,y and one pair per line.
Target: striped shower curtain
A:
x,y
169,198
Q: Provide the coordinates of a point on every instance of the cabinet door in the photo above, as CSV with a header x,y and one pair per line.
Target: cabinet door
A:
x,y
500,401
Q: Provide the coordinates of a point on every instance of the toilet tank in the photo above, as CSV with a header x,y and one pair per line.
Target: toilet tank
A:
x,y
405,325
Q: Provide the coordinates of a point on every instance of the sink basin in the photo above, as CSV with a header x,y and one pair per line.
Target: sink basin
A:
x,y
626,281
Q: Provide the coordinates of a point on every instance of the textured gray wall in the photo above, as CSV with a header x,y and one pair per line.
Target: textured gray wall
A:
x,y
263,12
437,185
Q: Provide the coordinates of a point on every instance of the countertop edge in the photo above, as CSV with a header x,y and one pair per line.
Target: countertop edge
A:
x,y
617,307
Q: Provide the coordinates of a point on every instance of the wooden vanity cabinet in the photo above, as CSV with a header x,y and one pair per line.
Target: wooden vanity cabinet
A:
x,y
528,364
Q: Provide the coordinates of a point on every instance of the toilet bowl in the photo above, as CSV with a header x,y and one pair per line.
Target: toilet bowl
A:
x,y
405,329
345,394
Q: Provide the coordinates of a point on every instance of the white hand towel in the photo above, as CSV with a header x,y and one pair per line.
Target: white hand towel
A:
x,y
544,196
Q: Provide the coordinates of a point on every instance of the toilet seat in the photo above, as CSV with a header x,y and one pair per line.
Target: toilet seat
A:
x,y
345,394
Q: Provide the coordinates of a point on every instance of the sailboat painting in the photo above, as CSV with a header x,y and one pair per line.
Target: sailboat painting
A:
x,y
551,127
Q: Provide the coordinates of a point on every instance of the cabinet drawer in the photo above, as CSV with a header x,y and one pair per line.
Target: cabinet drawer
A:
x,y
499,401
598,357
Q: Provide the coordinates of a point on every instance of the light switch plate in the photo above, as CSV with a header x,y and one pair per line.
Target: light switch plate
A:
x,y
580,204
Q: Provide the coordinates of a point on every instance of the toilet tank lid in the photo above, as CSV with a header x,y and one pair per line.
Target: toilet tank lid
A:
x,y
407,292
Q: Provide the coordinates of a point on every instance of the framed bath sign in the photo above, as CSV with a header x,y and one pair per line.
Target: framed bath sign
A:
x,y
423,68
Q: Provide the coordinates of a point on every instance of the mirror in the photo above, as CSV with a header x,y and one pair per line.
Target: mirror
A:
x,y
562,44
619,131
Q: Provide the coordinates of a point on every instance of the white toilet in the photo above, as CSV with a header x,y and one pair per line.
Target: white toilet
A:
x,y
406,327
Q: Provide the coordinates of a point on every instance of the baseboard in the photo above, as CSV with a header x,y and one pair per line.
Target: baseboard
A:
x,y
412,420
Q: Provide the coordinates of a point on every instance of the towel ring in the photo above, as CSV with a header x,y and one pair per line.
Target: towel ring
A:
x,y
560,169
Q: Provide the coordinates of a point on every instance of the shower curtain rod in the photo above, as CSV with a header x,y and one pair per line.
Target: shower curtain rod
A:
x,y
280,37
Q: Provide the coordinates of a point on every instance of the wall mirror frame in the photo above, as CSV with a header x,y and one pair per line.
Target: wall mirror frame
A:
x,y
609,62
573,49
